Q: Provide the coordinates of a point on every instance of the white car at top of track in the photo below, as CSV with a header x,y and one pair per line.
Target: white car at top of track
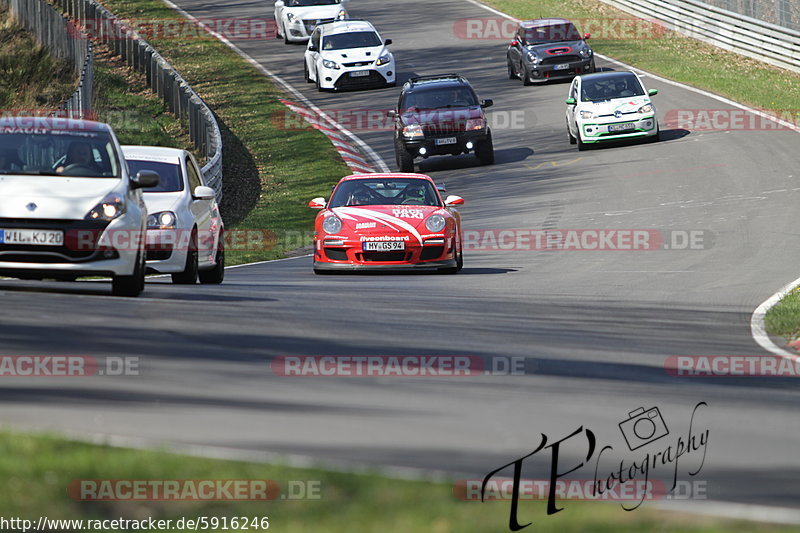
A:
x,y
348,54
296,19
185,233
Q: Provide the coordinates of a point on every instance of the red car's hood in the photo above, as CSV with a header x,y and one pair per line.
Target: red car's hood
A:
x,y
386,219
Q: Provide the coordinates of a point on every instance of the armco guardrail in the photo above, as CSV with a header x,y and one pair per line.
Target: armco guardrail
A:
x,y
56,33
732,31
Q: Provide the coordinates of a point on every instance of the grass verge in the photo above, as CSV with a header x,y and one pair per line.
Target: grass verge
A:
x,y
269,172
783,319
30,78
38,469
672,55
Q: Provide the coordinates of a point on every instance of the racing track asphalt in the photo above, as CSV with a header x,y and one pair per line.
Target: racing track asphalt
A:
x,y
595,327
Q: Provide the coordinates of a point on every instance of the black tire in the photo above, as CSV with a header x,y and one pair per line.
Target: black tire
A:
x,y
655,138
215,276
526,77
581,145
405,162
572,140
594,68
485,151
512,74
306,73
190,271
460,260
285,36
133,285
319,86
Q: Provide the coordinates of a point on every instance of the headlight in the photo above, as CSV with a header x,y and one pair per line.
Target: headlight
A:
x,y
332,224
413,130
647,108
383,59
109,208
162,220
327,63
342,15
291,18
586,52
476,124
533,58
435,223
587,114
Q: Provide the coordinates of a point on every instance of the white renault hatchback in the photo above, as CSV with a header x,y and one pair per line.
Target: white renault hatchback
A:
x,y
348,54
185,233
69,208
610,106
296,19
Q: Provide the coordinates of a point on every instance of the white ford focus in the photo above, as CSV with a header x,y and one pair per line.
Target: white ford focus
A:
x,y
69,207
296,19
185,233
348,54
609,106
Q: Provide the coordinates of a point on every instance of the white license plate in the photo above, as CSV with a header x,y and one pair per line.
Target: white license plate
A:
x,y
32,237
359,73
384,246
446,140
563,66
621,127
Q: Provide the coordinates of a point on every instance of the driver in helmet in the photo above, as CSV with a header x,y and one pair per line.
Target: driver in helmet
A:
x,y
415,194
360,196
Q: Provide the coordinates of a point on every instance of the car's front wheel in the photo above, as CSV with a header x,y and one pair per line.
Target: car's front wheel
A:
x,y
405,162
485,151
306,73
655,138
285,35
572,139
132,285
190,270
581,145
526,77
216,275
512,72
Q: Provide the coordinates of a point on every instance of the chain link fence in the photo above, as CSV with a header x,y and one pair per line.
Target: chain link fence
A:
x,y
62,39
784,13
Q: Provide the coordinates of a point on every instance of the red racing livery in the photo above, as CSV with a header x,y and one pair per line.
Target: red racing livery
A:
x,y
393,221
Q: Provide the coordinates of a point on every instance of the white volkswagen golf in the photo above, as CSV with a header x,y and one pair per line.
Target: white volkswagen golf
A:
x,y
185,233
609,106
69,208
348,54
296,19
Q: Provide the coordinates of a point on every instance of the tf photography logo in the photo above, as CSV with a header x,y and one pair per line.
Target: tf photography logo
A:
x,y
643,430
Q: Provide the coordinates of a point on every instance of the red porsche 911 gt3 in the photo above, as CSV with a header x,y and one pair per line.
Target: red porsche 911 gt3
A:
x,y
391,221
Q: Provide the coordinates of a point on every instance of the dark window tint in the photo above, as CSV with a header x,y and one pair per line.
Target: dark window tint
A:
x,y
553,33
356,39
438,97
401,191
170,174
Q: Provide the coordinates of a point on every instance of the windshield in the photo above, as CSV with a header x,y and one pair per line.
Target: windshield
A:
x,y
356,39
622,85
88,154
303,3
551,34
169,173
404,191
438,97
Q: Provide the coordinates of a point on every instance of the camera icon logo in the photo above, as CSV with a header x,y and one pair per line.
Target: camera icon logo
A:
x,y
643,427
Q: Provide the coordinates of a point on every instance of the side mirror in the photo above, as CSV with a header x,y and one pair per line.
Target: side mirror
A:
x,y
145,179
391,113
487,103
652,92
571,101
453,200
312,48
279,3
587,36
317,203
387,42
514,43
204,193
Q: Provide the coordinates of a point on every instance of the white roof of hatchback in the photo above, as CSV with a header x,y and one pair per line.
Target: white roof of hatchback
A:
x,y
346,26
153,153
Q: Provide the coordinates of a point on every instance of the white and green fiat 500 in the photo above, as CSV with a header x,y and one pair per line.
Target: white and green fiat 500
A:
x,y
609,106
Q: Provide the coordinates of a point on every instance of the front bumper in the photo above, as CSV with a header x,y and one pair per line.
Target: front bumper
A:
x,y
539,72
342,78
595,130
90,248
331,253
432,148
